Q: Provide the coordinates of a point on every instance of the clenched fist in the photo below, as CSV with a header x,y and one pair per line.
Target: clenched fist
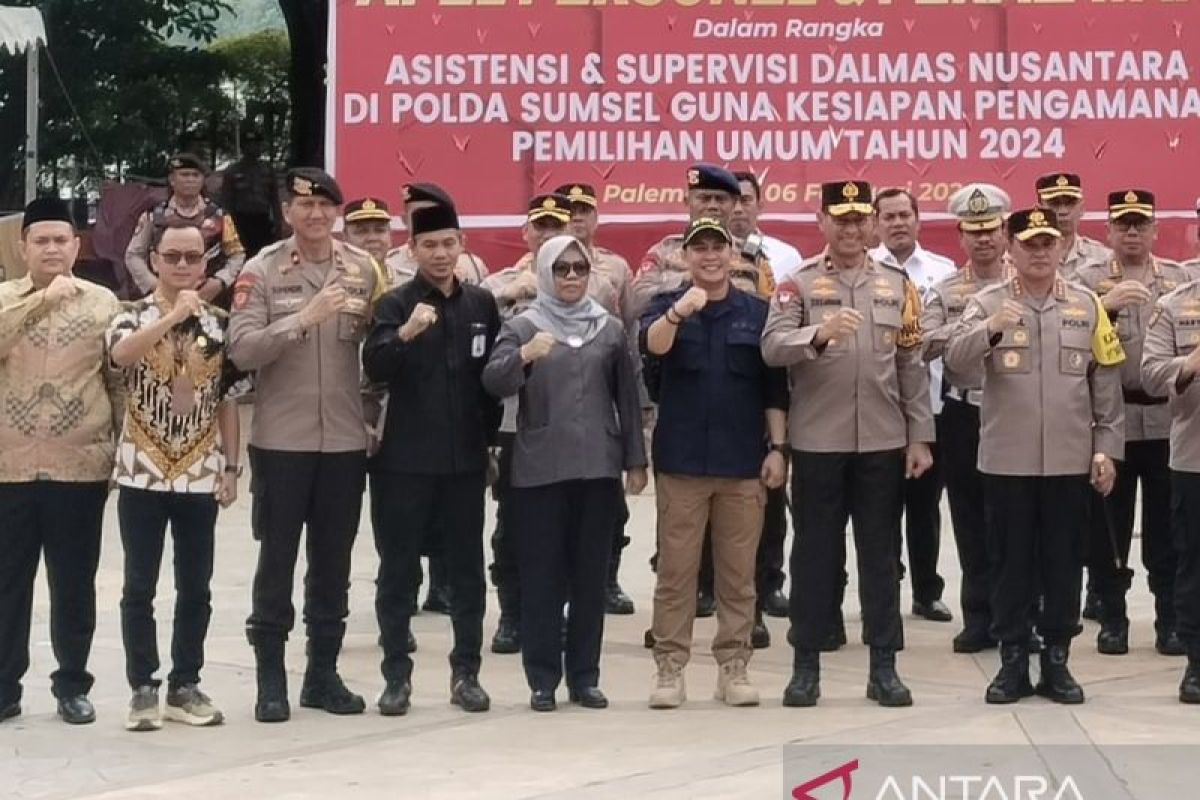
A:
x,y
1007,317
842,325
60,288
693,300
538,347
522,286
329,301
1124,294
423,315
187,304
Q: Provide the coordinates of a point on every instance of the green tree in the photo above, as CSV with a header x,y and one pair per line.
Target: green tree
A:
x,y
256,67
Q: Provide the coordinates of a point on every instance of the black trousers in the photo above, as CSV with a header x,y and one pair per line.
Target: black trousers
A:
x,y
923,530
504,566
564,546
768,565
829,490
404,508
1037,529
144,516
1185,532
958,433
256,231
294,491
1145,462
63,521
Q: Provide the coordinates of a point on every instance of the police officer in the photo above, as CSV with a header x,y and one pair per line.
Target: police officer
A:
x,y
849,329
1062,192
1052,417
1129,284
431,340
250,193
585,219
712,192
187,203
980,208
401,262
300,309
368,226
1170,363
743,224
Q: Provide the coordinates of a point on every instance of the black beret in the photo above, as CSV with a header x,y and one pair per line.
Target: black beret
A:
x,y
310,181
427,192
1130,201
1059,184
433,218
1030,222
47,209
367,208
556,206
710,176
846,197
583,193
187,161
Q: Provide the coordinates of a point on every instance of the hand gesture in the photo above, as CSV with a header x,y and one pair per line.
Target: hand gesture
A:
x,y
187,304
538,347
774,470
1104,473
209,289
522,286
635,480
1124,294
918,458
1007,317
423,315
842,325
329,301
227,489
60,288
693,300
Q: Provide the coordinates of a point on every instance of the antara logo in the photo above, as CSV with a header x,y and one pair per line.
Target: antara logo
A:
x,y
944,787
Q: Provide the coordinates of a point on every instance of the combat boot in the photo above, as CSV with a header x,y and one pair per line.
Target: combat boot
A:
x,y
1113,638
1012,681
323,687
884,685
271,704
1056,682
804,688
1189,689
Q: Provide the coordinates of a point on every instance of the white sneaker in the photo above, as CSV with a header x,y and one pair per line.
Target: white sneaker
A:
x,y
189,705
733,685
669,690
144,714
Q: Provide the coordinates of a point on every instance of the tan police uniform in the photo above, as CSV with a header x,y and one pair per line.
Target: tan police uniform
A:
x,y
1084,251
217,228
663,270
401,267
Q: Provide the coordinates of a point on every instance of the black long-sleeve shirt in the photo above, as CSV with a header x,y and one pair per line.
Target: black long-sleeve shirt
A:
x,y
440,420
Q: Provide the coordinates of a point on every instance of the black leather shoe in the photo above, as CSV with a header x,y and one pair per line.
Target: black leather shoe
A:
x,y
507,639
884,685
1012,681
760,636
616,601
437,600
326,691
542,700
467,694
411,645
775,604
648,639
10,710
804,688
1189,688
394,702
706,605
1056,682
1113,638
1170,645
76,710
968,641
589,697
1091,607
935,611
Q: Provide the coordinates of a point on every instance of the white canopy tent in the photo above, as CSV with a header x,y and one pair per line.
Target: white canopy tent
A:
x,y
23,31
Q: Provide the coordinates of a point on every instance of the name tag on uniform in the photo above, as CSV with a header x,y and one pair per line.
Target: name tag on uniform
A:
x,y
478,340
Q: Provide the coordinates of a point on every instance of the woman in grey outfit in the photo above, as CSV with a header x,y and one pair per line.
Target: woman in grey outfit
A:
x,y
578,428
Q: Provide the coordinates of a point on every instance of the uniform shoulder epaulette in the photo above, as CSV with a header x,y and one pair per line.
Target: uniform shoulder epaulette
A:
x,y
814,261
892,267
355,250
1002,286
271,249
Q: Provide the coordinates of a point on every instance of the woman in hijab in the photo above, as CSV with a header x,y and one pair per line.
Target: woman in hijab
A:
x,y
578,428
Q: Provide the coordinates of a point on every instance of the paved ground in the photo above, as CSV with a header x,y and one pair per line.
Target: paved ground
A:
x,y
701,751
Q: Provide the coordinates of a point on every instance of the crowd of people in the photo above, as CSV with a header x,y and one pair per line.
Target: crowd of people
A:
x,y
1039,384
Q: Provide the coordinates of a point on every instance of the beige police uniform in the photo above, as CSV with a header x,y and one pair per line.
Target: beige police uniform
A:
x,y
1084,250
1173,332
215,226
663,270
944,306
401,267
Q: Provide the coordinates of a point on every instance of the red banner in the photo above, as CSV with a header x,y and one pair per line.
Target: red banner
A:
x,y
498,100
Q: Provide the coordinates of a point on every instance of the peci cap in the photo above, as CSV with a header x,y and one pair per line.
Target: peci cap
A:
x,y
433,218
46,209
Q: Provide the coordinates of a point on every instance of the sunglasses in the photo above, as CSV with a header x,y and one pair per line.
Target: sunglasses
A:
x,y
564,268
173,257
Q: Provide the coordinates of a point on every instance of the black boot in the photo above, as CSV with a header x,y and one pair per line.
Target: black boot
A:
x,y
1113,638
805,686
884,685
1056,682
437,599
1092,606
507,639
616,601
1012,681
1189,689
1169,644
272,702
706,604
760,635
323,687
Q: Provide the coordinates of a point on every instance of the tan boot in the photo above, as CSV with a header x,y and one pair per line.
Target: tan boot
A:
x,y
669,690
733,684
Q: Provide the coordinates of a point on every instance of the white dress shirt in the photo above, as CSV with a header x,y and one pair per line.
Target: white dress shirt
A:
x,y
925,269
784,258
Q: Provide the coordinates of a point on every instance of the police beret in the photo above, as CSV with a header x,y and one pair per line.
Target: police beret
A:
x,y
710,176
979,206
46,209
367,208
310,181
426,192
697,227
555,206
1059,184
433,218
1131,201
578,193
1027,223
187,161
846,197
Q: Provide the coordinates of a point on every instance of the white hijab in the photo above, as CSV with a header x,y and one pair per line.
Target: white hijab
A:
x,y
574,324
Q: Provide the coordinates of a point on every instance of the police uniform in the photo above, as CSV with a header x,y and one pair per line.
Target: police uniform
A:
x,y
220,237
1171,338
979,207
307,448
663,268
1084,250
1147,429
856,405
1051,402
402,264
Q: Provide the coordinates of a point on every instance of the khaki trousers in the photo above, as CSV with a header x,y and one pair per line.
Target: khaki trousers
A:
x,y
686,504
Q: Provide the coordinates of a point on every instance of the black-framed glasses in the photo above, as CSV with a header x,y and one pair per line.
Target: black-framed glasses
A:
x,y
564,268
173,257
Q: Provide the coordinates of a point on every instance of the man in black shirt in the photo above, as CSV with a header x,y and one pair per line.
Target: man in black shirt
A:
x,y
431,340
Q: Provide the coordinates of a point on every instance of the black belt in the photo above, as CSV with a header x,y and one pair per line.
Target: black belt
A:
x,y
1138,397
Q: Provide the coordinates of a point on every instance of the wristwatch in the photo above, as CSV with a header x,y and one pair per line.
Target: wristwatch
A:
x,y
234,469
781,448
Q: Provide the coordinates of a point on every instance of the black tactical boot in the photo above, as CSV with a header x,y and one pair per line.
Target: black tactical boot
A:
x,y
805,686
507,639
1113,638
760,635
323,687
1189,689
1056,682
883,684
272,702
1012,681
616,601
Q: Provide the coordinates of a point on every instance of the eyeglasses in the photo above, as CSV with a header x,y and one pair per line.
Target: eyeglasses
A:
x,y
564,268
173,257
